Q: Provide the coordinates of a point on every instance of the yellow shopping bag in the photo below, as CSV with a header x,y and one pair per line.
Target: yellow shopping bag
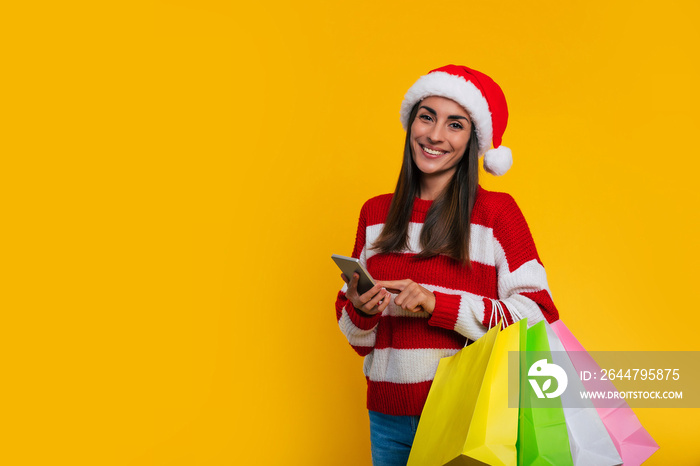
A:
x,y
466,419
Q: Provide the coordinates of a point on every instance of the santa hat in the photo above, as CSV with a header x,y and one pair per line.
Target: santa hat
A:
x,y
480,96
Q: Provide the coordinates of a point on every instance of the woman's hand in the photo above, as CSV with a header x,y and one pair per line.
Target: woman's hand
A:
x,y
372,302
411,296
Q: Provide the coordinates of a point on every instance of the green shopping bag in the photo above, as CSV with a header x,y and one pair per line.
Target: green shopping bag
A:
x,y
542,435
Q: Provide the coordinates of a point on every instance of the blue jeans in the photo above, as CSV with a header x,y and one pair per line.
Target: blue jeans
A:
x,y
391,437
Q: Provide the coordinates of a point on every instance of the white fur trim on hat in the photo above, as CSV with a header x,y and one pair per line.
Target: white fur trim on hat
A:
x,y
497,161
463,92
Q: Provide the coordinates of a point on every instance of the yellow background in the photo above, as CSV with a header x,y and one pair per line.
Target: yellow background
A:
x,y
176,174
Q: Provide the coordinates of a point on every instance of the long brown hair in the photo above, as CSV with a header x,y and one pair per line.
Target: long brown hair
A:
x,y
446,228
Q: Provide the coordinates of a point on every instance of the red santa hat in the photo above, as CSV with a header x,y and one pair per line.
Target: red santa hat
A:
x,y
480,96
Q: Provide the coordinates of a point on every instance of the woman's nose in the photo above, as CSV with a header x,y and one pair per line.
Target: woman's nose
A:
x,y
435,134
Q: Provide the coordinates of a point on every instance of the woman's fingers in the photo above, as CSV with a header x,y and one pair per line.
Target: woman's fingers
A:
x,y
351,293
408,291
412,297
413,302
368,301
395,286
385,302
371,293
372,303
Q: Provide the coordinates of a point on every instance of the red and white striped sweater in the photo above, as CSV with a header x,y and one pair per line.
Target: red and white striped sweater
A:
x,y
402,349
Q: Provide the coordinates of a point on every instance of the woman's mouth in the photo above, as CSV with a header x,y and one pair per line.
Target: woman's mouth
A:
x,y
432,152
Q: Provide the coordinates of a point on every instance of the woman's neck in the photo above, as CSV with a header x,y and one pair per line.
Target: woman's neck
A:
x,y
431,186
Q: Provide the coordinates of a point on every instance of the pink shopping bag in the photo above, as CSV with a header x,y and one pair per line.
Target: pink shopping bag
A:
x,y
633,442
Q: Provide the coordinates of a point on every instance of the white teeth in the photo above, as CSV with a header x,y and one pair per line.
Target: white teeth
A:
x,y
433,152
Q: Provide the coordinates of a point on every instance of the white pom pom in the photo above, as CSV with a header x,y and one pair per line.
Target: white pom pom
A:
x,y
498,161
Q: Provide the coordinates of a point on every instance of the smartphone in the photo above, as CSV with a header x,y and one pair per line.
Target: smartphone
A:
x,y
349,266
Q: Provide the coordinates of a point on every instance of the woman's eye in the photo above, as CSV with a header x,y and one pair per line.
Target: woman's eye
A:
x,y
425,117
456,126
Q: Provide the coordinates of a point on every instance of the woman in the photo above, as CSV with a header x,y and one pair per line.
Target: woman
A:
x,y
450,259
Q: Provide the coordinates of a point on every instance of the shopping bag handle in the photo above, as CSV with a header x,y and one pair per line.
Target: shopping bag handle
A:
x,y
496,310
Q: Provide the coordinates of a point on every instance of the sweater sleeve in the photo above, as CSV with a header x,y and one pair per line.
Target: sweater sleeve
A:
x,y
358,328
523,291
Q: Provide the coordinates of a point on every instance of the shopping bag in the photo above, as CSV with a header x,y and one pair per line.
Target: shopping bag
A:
x,y
542,437
466,419
632,441
589,441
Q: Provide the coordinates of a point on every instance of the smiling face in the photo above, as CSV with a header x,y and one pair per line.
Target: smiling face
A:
x,y
439,138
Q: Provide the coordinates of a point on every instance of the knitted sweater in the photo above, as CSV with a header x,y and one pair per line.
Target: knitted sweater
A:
x,y
402,349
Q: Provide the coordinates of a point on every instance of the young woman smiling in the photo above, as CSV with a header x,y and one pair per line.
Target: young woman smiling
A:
x,y
450,259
